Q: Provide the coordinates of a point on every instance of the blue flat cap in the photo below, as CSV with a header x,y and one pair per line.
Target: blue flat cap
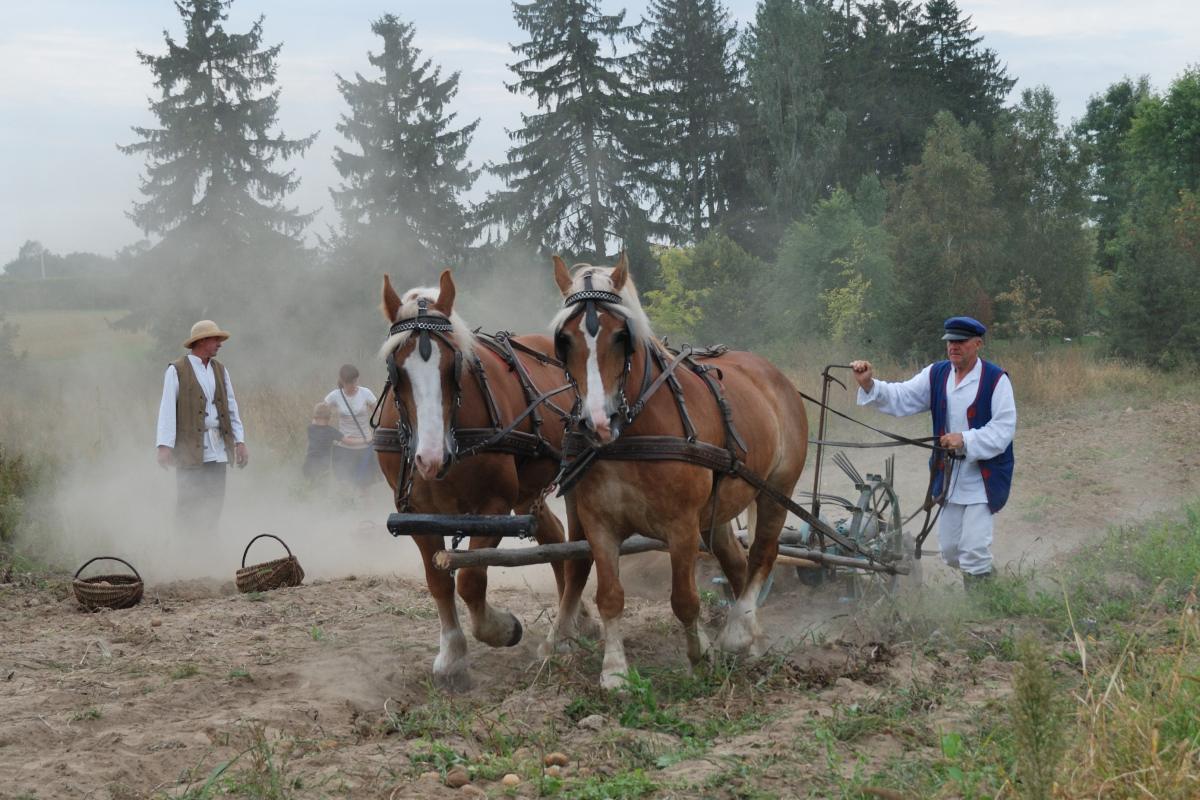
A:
x,y
960,329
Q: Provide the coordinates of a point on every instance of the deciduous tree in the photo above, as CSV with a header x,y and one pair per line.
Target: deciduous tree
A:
x,y
947,233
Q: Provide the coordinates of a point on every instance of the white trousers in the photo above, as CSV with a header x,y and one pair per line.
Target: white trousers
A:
x,y
965,535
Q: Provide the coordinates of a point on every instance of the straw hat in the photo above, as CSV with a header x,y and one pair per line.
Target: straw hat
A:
x,y
202,330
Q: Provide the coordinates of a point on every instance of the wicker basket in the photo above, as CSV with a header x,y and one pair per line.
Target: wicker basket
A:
x,y
108,591
271,575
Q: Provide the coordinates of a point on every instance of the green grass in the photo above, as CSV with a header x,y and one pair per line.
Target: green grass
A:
x,y
186,671
87,714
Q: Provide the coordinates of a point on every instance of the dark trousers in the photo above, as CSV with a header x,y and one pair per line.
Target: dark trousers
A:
x,y
200,497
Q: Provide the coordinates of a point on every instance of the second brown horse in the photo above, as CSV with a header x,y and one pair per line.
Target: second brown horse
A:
x,y
606,351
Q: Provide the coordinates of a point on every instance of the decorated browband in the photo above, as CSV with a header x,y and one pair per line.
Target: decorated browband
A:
x,y
423,324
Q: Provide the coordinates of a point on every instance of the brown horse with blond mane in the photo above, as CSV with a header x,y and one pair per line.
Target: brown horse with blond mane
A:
x,y
608,352
426,382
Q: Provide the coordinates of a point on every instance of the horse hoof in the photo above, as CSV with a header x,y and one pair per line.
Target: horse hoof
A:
x,y
452,682
617,684
516,635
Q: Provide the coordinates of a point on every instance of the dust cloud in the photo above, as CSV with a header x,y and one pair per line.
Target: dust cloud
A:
x,y
92,419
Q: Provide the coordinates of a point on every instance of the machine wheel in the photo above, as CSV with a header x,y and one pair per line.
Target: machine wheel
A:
x,y
883,537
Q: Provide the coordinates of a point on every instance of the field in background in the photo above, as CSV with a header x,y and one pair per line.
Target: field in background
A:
x,y
55,337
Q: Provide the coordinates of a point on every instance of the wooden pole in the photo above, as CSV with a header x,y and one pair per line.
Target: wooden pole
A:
x,y
566,551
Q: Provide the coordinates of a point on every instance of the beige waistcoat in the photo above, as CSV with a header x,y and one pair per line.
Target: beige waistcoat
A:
x,y
190,414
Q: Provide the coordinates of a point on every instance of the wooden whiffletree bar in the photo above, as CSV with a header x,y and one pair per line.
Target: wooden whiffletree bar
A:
x,y
572,551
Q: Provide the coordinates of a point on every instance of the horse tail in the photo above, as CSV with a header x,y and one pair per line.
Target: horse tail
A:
x,y
751,520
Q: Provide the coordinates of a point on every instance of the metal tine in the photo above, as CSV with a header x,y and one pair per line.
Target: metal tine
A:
x,y
843,461
890,470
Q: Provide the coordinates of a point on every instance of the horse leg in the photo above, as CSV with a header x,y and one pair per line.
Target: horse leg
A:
x,y
685,600
731,556
610,600
549,531
492,627
450,666
573,620
742,633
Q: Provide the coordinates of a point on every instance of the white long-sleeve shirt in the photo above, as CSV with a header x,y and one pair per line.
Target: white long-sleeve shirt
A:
x,y
914,396
214,448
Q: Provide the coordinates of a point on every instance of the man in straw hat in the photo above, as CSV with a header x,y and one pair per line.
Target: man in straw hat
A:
x,y
975,415
199,429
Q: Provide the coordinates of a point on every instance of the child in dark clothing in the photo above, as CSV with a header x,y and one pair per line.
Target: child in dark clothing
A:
x,y
321,436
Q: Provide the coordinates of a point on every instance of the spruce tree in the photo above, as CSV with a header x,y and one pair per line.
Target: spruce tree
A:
x,y
212,158
213,192
799,134
690,74
406,181
571,177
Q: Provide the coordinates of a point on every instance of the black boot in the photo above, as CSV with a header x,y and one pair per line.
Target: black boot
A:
x,y
972,583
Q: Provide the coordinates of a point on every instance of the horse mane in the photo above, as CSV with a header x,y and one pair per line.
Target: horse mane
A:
x,y
631,304
460,332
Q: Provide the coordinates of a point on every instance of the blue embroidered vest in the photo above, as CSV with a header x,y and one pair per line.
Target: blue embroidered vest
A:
x,y
997,472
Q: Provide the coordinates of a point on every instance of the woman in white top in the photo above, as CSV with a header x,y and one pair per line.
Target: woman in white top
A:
x,y
354,463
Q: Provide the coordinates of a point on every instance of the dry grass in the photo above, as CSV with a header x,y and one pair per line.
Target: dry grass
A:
x,y
1061,375
1138,735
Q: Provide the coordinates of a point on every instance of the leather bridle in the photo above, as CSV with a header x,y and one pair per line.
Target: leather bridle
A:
x,y
586,303
464,443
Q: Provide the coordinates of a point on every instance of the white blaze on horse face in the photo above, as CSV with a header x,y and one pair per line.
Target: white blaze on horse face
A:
x,y
596,395
425,377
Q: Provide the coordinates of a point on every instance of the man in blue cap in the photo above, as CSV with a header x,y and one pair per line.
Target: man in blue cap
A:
x,y
975,415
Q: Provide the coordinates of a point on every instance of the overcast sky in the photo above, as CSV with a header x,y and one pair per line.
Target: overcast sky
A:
x,y
71,85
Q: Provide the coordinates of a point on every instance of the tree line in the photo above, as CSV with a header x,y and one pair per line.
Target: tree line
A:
x,y
839,170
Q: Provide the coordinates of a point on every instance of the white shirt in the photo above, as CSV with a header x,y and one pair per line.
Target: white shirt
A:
x,y
914,396
353,413
214,448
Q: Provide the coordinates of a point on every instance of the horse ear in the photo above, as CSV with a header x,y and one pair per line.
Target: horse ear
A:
x,y
446,292
391,300
620,273
562,276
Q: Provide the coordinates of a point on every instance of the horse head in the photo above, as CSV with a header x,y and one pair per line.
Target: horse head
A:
x,y
599,334
427,349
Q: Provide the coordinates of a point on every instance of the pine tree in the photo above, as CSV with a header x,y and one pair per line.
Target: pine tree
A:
x,y
800,133
571,176
212,158
407,181
212,189
688,67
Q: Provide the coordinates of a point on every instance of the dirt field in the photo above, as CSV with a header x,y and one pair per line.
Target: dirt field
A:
x,y
323,690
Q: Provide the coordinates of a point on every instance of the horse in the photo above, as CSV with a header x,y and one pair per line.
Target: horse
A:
x,y
443,380
604,337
